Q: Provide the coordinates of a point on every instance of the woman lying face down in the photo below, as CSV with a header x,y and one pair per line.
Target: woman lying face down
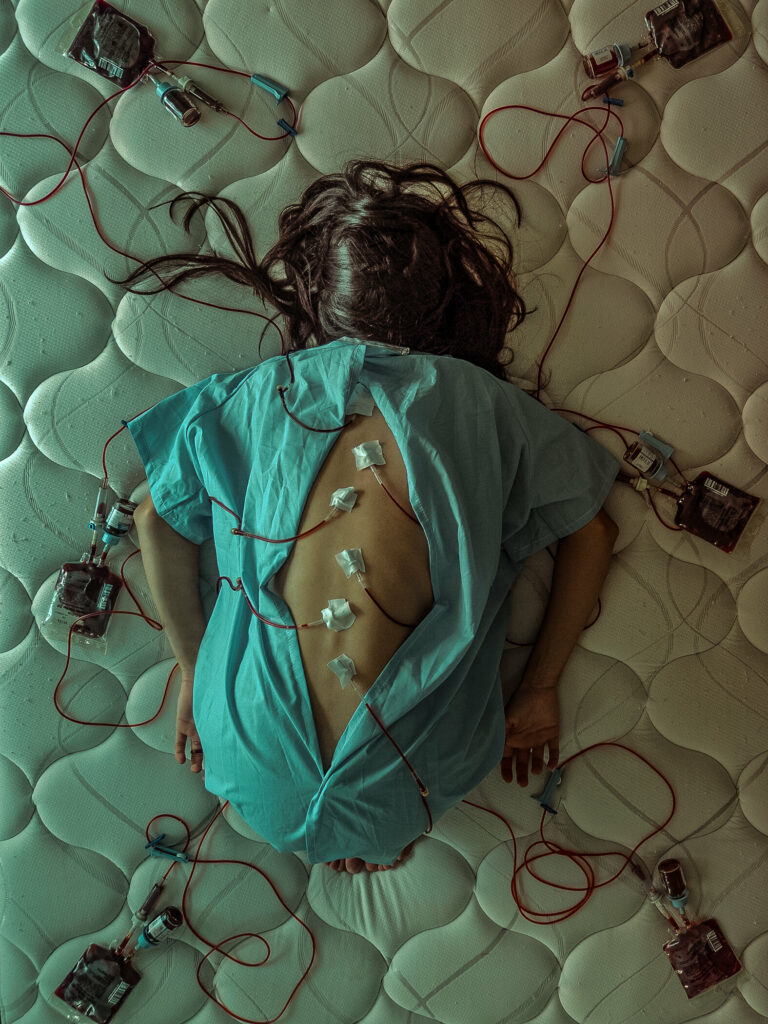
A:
x,y
396,256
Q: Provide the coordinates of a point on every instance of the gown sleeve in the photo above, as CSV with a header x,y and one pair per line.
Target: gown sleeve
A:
x,y
561,479
172,439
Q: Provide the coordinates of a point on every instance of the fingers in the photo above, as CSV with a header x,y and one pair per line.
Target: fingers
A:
x,y
515,762
554,754
178,750
196,755
195,750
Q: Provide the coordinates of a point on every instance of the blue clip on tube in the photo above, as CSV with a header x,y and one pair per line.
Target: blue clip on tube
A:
x,y
266,83
545,798
156,849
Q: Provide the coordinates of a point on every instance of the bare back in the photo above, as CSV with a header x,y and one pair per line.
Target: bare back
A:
x,y
396,559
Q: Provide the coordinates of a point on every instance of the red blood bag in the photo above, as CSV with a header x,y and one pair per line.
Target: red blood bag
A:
x,y
715,511
113,45
682,30
97,985
701,957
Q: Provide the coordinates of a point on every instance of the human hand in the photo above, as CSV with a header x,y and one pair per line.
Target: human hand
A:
x,y
532,720
185,725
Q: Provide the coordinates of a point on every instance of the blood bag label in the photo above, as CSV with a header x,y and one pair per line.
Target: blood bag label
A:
x,y
716,486
643,461
118,992
670,5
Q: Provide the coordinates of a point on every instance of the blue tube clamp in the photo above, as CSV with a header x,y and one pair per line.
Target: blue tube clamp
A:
x,y
157,850
266,83
545,798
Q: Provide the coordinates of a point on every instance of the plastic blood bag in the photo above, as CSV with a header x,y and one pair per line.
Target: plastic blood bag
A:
x,y
714,510
82,588
98,984
699,952
701,957
683,31
113,45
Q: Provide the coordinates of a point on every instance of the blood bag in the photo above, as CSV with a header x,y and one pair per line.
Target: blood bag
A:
x,y
701,957
682,30
715,511
110,43
82,588
97,985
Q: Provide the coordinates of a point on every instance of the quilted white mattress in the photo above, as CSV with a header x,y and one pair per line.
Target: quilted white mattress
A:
x,y
666,334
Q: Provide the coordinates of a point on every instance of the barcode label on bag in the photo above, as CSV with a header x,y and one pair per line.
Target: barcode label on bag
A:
x,y
118,992
670,5
715,486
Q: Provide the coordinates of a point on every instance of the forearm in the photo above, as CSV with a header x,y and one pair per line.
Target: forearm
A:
x,y
171,565
581,565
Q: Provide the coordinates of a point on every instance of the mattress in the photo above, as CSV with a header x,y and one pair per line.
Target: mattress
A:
x,y
665,334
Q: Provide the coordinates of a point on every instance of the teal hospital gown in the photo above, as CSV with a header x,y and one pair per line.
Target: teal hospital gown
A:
x,y
493,475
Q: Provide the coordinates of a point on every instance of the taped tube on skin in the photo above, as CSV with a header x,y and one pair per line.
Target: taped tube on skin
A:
x,y
351,560
338,615
362,403
367,454
344,668
344,499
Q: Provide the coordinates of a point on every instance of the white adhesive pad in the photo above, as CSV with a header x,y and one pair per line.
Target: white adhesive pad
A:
x,y
367,454
344,499
361,402
338,615
344,668
351,561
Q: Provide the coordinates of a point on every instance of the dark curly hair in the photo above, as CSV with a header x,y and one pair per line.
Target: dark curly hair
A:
x,y
376,252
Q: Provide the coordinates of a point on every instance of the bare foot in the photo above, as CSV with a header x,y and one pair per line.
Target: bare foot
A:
x,y
354,864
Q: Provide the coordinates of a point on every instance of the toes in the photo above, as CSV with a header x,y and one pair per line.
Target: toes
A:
x,y
354,865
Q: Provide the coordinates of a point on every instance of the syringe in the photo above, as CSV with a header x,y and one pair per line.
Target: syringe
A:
x,y
141,915
656,898
99,518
